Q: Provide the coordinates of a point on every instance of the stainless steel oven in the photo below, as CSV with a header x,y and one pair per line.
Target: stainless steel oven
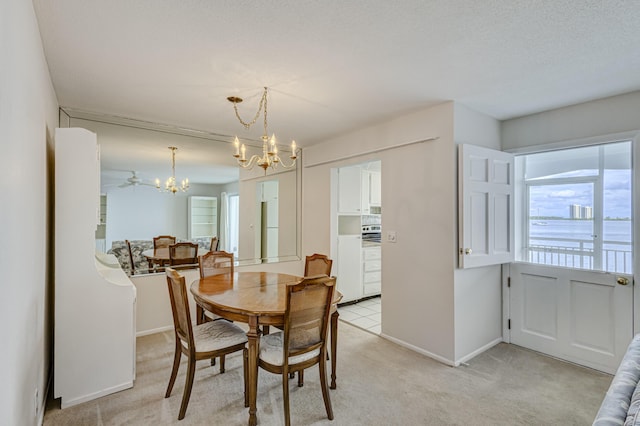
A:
x,y
371,233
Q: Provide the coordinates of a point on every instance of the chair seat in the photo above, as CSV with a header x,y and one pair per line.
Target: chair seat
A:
x,y
271,350
216,335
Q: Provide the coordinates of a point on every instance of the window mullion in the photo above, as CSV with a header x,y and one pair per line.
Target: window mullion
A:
x,y
598,213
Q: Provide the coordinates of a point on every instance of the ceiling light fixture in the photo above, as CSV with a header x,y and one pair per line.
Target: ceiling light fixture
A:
x,y
270,157
170,183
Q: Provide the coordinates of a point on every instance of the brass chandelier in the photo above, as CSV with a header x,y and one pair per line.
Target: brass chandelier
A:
x,y
270,157
170,185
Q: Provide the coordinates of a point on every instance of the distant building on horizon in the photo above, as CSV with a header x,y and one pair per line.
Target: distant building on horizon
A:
x,y
576,211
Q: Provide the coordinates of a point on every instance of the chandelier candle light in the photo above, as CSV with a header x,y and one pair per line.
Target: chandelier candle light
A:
x,y
170,183
270,157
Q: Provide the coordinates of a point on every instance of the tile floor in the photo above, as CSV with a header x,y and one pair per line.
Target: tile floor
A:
x,y
365,314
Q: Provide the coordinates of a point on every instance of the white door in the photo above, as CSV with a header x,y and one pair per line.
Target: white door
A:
x,y
577,315
573,299
485,188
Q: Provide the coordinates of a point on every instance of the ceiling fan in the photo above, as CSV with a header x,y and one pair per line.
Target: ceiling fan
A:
x,y
134,180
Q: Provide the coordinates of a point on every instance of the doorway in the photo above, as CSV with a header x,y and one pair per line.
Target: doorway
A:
x,y
357,251
571,291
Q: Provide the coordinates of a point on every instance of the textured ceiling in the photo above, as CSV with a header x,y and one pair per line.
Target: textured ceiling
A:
x,y
334,65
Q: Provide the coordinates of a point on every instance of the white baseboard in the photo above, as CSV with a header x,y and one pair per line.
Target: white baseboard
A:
x,y
153,331
419,350
43,403
478,351
65,403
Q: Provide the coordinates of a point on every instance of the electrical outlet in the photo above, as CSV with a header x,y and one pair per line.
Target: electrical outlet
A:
x,y
391,236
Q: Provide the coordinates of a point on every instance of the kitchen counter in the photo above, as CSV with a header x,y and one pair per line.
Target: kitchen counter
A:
x,y
370,243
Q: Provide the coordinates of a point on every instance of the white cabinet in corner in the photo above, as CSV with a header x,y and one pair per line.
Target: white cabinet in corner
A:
x,y
95,304
203,217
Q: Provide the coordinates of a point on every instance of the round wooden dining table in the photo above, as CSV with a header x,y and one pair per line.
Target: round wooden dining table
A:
x,y
257,299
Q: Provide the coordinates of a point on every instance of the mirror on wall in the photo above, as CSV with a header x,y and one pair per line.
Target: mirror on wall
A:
x,y
254,215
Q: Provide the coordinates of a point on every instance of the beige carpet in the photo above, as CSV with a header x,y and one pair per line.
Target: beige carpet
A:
x,y
379,383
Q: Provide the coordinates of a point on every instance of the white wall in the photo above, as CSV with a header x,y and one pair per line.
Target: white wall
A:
x,y
418,199
606,116
28,117
478,291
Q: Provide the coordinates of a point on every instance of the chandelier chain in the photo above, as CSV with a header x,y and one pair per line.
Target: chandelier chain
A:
x,y
263,104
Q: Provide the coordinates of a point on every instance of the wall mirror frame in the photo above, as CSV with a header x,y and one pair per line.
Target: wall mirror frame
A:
x,y
134,153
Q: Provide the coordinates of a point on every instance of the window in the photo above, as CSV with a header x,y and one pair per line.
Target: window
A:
x,y
576,206
233,215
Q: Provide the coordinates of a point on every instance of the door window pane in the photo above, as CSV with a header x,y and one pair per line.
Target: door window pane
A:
x,y
579,207
561,227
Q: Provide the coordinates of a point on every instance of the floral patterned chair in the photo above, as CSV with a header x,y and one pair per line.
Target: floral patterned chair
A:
x,y
120,250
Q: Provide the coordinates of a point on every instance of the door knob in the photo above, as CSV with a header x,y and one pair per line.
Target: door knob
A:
x,y
622,280
465,251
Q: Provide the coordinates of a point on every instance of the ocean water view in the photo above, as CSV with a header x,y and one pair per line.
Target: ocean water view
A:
x,y
571,243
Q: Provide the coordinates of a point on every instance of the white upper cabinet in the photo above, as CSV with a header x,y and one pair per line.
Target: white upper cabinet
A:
x,y
486,216
349,191
365,192
371,191
375,189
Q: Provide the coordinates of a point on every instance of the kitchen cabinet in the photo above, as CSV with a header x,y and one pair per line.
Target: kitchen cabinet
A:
x,y
364,192
371,192
375,189
203,217
349,278
371,270
349,191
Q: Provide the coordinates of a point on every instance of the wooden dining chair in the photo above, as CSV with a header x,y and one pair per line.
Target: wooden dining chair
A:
x,y
214,244
317,264
132,265
302,344
213,263
314,265
183,254
204,341
162,242
320,264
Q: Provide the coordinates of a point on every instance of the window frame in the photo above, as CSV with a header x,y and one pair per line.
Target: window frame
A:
x,y
523,193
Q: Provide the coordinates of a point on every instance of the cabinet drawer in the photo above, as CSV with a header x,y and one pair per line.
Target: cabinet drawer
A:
x,y
372,265
372,253
371,277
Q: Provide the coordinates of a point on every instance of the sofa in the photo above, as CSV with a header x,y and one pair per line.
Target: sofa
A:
x,y
621,404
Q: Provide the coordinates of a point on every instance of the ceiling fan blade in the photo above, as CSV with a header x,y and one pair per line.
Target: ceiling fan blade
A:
x,y
124,185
